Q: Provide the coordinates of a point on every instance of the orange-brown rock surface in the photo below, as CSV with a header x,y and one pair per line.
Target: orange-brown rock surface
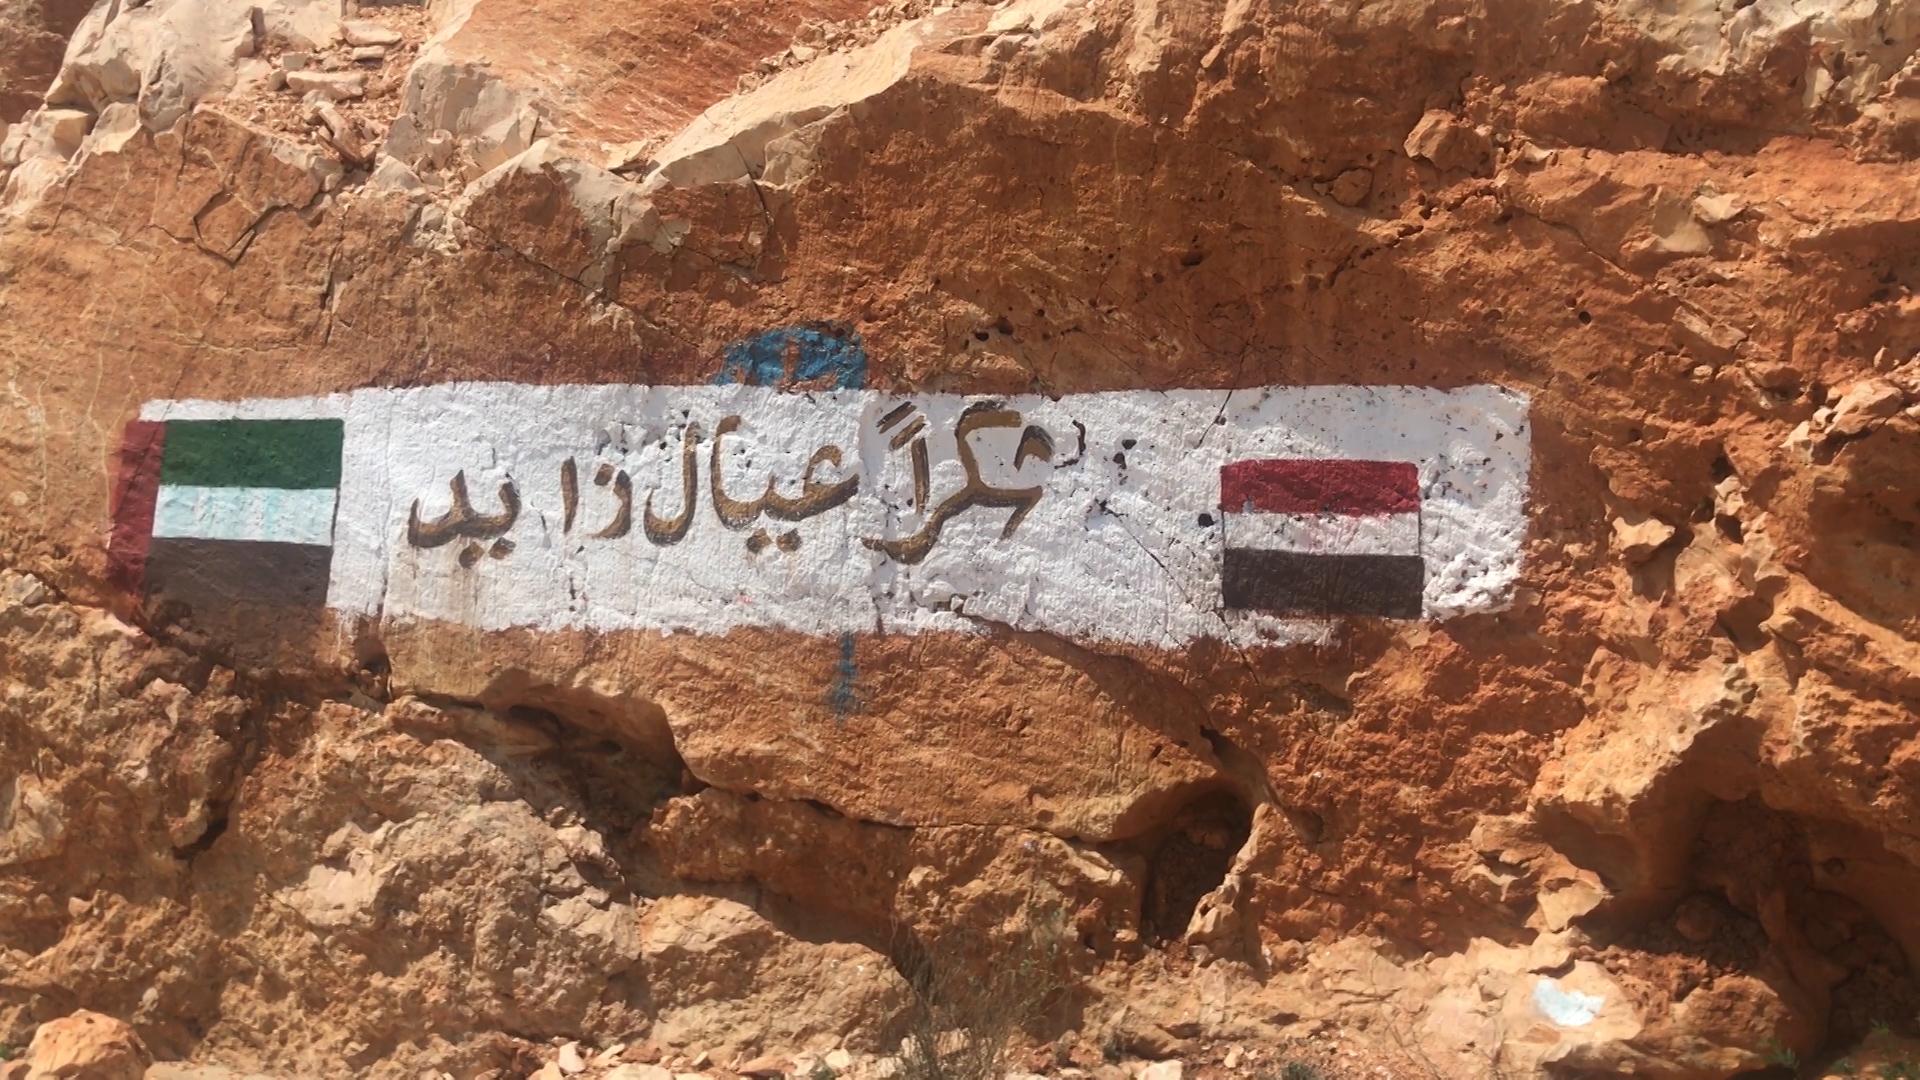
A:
x,y
33,35
1657,817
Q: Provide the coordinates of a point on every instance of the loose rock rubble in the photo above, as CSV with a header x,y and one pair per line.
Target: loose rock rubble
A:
x,y
83,1046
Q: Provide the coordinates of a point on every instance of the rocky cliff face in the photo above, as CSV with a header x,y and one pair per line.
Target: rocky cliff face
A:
x,y
1651,809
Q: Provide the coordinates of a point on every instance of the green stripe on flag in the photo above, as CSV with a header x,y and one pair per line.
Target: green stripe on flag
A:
x,y
253,453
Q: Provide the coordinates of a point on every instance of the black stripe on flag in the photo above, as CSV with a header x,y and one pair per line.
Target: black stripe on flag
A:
x,y
199,573
1299,583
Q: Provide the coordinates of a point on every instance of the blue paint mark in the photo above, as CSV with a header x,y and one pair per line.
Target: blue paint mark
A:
x,y
794,355
842,696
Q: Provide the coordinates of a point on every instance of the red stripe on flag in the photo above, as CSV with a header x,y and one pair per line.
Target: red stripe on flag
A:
x,y
136,487
1316,486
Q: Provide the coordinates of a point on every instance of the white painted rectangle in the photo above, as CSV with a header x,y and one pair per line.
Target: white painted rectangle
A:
x,y
1123,541
284,515
1326,534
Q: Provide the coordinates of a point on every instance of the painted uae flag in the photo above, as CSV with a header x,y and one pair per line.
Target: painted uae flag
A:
x,y
1322,537
227,509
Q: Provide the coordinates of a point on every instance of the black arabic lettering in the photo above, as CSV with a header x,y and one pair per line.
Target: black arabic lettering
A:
x,y
664,531
922,470
462,520
734,514
816,497
622,522
569,492
1035,443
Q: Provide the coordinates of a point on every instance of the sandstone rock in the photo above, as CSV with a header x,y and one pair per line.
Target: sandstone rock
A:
x,y
1716,209
29,181
638,1072
53,133
1638,537
595,213
1163,1070
1863,405
32,37
87,1046
474,107
330,85
1713,340
389,174
1672,228
254,76
439,148
1351,187
23,590
168,55
728,979
45,133
764,1067
344,135
732,139
362,32
373,54
1449,144
899,880
562,65
301,24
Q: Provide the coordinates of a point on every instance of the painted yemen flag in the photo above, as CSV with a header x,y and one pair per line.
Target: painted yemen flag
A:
x,y
228,509
1322,537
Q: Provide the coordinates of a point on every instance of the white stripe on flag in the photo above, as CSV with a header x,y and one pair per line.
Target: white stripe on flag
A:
x,y
1326,534
283,515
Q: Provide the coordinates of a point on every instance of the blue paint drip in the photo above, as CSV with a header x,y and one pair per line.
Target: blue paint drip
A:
x,y
842,696
797,354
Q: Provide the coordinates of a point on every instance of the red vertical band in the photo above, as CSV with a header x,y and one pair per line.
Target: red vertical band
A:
x,y
1319,486
136,486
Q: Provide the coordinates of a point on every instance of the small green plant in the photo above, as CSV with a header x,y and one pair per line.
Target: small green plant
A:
x,y
821,1071
1844,1067
6,1052
1904,1069
1780,1057
965,1018
1881,1027
1300,1070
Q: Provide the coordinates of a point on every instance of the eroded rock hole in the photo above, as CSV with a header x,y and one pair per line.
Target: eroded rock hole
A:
x,y
616,753
1189,857
1777,926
